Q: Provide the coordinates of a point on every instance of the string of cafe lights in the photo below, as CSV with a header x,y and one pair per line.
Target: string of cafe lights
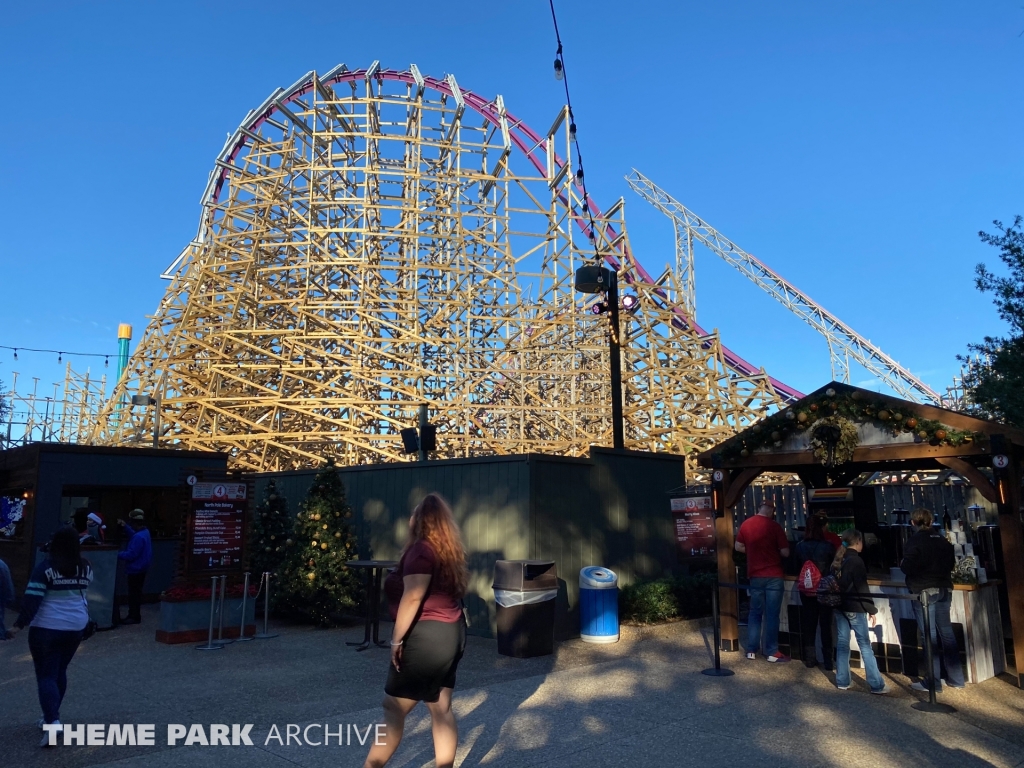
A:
x,y
561,74
59,353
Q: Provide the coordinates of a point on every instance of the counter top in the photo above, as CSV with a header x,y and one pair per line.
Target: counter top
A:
x,y
877,581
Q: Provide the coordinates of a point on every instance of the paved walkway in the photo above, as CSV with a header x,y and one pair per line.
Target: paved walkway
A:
x,y
640,702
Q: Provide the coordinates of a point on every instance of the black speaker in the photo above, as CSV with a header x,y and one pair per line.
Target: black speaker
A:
x,y
410,442
428,437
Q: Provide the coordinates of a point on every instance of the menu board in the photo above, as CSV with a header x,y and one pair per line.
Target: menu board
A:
x,y
217,526
695,526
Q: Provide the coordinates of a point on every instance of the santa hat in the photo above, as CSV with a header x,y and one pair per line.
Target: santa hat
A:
x,y
95,518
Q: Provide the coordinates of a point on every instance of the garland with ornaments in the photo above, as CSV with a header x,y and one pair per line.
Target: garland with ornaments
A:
x,y
832,418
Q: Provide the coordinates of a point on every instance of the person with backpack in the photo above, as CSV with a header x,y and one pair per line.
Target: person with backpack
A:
x,y
56,612
856,612
816,554
928,562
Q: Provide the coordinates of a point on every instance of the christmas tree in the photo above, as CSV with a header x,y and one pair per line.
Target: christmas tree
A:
x,y
316,583
272,525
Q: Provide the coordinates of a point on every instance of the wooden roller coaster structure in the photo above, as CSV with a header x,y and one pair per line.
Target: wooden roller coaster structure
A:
x,y
375,239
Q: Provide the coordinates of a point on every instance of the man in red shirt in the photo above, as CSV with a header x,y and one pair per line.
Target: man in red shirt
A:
x,y
765,544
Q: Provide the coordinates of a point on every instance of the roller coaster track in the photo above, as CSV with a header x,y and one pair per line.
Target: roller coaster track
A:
x,y
844,343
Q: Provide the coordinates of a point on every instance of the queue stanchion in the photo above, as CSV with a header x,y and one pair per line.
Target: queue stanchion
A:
x,y
245,596
210,645
265,635
931,705
716,671
220,629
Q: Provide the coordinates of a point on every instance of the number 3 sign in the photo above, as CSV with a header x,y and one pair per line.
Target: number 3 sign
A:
x,y
1000,461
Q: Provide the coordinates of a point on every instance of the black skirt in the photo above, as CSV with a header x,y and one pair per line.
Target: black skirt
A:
x,y
430,659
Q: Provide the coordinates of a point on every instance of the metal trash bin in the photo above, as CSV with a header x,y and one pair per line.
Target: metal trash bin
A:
x,y
524,593
599,605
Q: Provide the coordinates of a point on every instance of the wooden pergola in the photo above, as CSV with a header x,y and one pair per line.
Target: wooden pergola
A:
x,y
813,439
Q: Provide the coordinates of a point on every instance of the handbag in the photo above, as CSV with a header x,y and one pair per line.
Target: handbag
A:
x,y
829,591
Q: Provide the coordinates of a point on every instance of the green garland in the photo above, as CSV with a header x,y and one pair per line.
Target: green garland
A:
x,y
853,406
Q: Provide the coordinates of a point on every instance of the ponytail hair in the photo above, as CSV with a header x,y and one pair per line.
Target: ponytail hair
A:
x,y
850,537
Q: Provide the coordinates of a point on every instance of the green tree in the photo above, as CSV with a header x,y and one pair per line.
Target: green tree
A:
x,y
271,528
316,583
994,374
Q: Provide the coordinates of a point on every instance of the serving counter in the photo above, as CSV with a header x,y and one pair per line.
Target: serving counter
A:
x,y
975,611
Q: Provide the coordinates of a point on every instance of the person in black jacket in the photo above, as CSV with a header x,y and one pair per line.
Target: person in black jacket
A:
x,y
813,615
928,562
856,613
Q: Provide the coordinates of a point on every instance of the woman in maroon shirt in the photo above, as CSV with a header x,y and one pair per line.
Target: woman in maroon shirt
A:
x,y
425,600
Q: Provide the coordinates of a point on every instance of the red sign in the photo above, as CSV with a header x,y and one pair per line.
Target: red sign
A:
x,y
217,530
695,526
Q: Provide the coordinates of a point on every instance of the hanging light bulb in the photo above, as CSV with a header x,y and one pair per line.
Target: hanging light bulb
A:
x,y
106,362
579,174
15,354
559,69
586,208
60,357
572,131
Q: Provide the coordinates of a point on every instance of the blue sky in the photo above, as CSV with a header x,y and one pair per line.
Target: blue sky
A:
x,y
856,147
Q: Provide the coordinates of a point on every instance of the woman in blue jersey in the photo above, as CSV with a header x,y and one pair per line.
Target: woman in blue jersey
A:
x,y
56,611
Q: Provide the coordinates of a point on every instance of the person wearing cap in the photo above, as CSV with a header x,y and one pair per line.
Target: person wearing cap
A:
x,y
137,557
765,544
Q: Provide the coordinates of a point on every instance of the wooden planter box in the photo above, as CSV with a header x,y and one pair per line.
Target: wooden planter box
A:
x,y
189,622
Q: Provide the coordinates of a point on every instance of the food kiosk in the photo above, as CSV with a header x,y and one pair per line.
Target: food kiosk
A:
x,y
835,440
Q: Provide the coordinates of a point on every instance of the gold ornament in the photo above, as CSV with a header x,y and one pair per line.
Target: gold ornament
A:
x,y
897,416
337,535
314,542
923,435
323,545
310,576
883,415
801,417
325,526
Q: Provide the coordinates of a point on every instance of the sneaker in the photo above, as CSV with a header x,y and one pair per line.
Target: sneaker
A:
x,y
842,687
922,687
751,657
778,658
883,690
951,684
46,736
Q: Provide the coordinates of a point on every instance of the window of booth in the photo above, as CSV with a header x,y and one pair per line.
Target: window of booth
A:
x,y
162,506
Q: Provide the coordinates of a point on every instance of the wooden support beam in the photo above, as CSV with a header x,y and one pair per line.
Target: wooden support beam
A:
x,y
739,485
1011,532
728,598
974,476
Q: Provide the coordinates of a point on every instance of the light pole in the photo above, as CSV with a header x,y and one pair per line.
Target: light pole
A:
x,y
598,279
147,400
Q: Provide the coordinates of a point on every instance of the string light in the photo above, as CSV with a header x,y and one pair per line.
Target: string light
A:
x,y
58,352
562,74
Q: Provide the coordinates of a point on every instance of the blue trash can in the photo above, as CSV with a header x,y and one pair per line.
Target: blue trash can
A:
x,y
599,605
